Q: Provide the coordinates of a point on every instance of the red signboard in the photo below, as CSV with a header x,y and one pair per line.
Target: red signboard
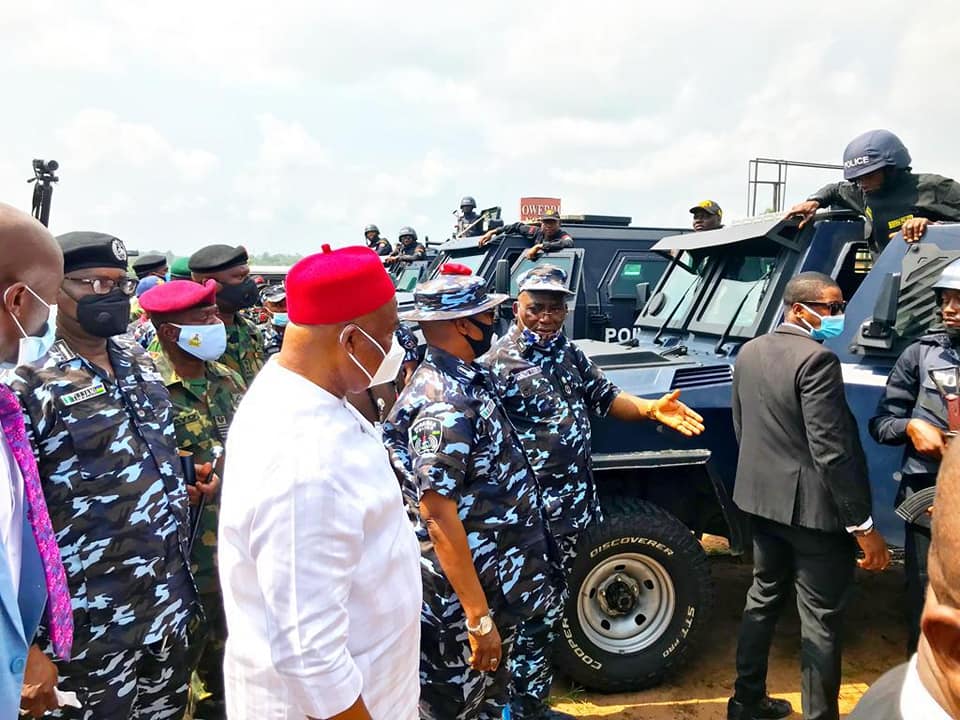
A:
x,y
531,208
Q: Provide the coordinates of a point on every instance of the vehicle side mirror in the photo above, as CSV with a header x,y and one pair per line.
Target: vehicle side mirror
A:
x,y
492,224
878,332
643,294
501,278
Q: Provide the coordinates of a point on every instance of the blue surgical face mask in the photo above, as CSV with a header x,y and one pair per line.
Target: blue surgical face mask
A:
x,y
206,342
280,319
34,348
830,325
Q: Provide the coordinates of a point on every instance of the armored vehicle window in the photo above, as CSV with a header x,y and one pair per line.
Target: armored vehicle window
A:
x,y
473,261
739,291
561,261
632,272
853,268
408,279
677,292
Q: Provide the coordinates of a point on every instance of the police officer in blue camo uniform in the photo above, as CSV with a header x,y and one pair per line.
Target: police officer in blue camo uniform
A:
x,y
274,301
878,183
549,389
100,419
913,413
474,501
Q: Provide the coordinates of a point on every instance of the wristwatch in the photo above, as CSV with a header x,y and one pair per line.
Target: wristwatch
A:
x,y
483,627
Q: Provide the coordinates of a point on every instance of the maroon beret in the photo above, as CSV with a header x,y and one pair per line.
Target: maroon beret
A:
x,y
179,295
335,286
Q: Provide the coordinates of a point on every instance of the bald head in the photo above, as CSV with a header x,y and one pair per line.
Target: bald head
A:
x,y
30,260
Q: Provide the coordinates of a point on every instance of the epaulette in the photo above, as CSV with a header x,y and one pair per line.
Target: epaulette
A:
x,y
61,352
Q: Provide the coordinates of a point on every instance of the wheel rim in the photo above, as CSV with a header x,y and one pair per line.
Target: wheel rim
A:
x,y
626,603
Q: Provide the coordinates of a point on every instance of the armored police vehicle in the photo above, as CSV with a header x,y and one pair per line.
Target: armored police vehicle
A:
x,y
641,591
611,268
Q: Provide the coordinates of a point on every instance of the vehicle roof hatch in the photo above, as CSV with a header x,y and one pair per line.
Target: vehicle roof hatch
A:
x,y
781,230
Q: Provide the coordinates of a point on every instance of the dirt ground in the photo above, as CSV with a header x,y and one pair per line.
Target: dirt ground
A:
x,y
875,641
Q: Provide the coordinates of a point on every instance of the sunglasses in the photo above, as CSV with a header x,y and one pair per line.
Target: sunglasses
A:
x,y
835,308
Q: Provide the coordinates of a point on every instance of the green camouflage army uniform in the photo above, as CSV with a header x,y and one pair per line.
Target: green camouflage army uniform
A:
x,y
202,412
244,353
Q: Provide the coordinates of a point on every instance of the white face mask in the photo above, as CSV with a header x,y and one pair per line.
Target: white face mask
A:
x,y
206,342
390,365
34,348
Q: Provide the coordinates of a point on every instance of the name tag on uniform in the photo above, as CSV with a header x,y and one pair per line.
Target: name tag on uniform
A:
x,y
83,394
151,376
528,373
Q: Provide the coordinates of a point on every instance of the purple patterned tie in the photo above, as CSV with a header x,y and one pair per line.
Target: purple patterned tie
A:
x,y
59,611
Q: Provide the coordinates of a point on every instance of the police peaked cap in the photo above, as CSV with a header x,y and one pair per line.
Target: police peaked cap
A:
x,y
82,250
214,258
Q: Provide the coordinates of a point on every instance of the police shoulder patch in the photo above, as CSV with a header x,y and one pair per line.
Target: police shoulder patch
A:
x,y
425,436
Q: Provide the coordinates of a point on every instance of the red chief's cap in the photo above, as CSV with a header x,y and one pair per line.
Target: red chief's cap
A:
x,y
179,295
335,286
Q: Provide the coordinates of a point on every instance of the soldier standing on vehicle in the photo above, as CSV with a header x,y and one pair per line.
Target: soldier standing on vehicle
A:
x,y
474,501
802,478
150,264
408,249
101,422
707,215
236,291
205,394
274,299
548,237
549,389
469,224
380,245
912,412
879,184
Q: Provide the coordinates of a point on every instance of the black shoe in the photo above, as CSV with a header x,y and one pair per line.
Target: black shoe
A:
x,y
766,709
552,714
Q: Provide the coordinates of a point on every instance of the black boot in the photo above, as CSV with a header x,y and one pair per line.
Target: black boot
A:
x,y
766,708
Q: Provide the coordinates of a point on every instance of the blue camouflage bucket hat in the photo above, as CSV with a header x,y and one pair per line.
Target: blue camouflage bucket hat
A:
x,y
454,293
544,278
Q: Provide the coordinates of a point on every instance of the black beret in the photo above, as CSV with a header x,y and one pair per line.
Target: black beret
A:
x,y
214,258
83,250
148,262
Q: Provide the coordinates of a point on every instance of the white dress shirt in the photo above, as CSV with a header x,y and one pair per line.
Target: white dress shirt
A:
x,y
11,511
319,565
916,702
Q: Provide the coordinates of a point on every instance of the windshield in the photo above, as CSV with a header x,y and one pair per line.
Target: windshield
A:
x,y
565,262
473,261
408,279
678,292
739,290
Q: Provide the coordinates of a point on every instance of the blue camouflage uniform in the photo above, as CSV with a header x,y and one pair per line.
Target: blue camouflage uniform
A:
x,y
112,479
549,389
448,433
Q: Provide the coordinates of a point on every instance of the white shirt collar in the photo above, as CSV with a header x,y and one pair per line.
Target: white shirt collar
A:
x,y
916,702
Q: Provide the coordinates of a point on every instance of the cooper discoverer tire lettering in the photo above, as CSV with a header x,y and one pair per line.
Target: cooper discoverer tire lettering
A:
x,y
640,595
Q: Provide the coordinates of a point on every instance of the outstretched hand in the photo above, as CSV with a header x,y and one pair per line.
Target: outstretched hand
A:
x,y
669,411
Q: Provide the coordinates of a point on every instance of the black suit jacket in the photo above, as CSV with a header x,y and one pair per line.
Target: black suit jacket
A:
x,y
801,461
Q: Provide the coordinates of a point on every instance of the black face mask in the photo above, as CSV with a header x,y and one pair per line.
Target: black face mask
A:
x,y
239,296
482,345
104,315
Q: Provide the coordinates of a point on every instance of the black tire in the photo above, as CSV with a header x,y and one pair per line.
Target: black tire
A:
x,y
648,550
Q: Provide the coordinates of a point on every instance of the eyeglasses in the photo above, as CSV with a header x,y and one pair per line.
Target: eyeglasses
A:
x,y
102,286
835,308
540,310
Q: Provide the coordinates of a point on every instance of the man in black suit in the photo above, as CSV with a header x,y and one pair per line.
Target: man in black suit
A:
x,y
928,686
802,477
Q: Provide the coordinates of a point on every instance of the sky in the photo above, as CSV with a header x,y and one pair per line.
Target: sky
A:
x,y
288,125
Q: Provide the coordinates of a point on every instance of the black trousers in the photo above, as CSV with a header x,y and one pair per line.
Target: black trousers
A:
x,y
915,549
820,565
